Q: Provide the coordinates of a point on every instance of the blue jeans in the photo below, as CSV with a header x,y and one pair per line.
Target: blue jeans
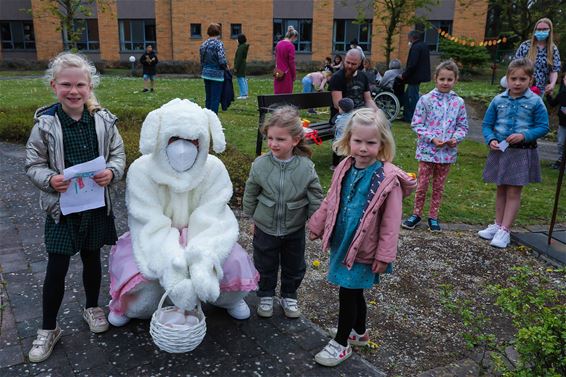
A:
x,y
213,90
243,85
410,103
307,85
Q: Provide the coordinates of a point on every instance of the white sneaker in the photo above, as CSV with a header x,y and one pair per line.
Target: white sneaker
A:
x,y
117,320
96,319
43,346
489,232
240,311
333,354
265,307
354,338
242,97
290,307
501,239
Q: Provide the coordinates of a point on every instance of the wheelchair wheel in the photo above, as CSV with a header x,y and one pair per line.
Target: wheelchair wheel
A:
x,y
389,103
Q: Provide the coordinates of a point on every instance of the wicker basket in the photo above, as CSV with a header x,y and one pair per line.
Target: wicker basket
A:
x,y
177,338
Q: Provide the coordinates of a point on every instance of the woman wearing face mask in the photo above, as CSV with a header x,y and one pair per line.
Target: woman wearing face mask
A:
x,y
542,51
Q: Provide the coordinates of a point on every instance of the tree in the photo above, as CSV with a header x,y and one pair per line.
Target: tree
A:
x,y
71,14
394,13
520,16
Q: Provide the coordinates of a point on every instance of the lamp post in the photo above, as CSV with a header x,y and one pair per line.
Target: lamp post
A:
x,y
133,61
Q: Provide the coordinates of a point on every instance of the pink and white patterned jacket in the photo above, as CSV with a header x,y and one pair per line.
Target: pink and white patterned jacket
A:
x,y
442,116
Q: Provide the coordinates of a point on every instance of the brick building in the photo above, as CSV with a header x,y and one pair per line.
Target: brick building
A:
x,y
176,28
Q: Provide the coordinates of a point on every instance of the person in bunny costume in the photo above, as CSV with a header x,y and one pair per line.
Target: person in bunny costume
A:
x,y
183,235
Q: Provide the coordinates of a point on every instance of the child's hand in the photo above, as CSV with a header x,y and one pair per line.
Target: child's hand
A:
x,y
515,138
380,267
58,183
494,145
437,142
452,143
312,236
104,177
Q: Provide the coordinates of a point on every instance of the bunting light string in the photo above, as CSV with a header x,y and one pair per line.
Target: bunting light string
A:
x,y
471,42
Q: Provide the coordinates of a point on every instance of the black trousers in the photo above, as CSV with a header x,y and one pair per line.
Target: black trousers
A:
x,y
54,284
287,251
351,315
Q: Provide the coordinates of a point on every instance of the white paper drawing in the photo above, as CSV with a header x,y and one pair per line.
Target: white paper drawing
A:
x,y
83,192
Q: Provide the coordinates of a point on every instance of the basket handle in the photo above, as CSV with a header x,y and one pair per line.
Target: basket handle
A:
x,y
197,307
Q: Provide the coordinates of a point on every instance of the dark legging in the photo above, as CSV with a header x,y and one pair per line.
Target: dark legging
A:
x,y
54,284
352,314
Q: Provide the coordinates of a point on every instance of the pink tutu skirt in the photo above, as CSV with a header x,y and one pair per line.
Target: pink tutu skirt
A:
x,y
239,272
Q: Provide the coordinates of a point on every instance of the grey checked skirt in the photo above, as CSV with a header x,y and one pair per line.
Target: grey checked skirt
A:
x,y
514,167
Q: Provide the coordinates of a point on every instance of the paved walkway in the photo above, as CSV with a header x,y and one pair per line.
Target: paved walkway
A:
x,y
256,347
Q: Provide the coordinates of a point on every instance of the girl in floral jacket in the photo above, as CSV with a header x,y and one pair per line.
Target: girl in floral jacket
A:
x,y
441,123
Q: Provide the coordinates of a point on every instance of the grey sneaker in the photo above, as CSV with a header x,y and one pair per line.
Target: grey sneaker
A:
x,y
43,345
96,320
290,307
265,307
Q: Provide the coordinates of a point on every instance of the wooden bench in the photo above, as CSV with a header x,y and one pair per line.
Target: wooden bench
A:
x,y
267,103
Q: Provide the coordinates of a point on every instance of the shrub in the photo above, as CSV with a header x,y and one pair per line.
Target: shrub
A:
x,y
469,58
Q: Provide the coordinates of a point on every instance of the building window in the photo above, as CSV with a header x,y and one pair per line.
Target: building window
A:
x,y
136,35
195,31
235,30
89,40
431,35
346,30
304,27
17,35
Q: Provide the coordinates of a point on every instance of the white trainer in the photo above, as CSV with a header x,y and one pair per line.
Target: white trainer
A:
x,y
96,319
240,311
43,345
489,232
265,307
290,307
333,354
501,239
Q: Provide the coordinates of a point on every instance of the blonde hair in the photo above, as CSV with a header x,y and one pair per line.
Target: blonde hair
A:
x,y
73,60
287,117
369,118
532,55
448,65
525,64
291,32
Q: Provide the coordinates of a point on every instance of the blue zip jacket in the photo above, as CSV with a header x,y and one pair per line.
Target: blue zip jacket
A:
x,y
505,115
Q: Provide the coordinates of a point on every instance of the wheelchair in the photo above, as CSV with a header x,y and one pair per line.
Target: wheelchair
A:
x,y
387,101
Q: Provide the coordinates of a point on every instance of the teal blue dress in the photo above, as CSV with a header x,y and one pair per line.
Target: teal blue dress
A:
x,y
358,188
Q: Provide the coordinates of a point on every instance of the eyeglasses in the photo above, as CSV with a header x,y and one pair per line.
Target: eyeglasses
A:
x,y
546,29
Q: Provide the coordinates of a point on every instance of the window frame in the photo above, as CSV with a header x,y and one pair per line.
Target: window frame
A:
x,y
91,45
364,43
432,31
302,46
134,44
195,36
27,45
235,35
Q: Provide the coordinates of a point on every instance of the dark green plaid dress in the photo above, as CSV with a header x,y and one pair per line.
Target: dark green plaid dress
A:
x,y
87,230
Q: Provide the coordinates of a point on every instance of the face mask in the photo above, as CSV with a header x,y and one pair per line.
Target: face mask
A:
x,y
182,155
410,44
541,35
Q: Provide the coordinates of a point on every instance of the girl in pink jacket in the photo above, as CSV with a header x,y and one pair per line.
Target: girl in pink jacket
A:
x,y
359,221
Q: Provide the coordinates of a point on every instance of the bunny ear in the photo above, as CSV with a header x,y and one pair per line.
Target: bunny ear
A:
x,y
149,132
216,133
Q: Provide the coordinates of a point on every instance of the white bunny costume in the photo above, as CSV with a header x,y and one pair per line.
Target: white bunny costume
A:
x,y
183,234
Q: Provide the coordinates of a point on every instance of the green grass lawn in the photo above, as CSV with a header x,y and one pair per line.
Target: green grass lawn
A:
x,y
467,199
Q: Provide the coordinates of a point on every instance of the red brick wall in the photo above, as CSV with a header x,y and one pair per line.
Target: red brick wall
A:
x,y
48,39
323,24
470,19
164,29
108,31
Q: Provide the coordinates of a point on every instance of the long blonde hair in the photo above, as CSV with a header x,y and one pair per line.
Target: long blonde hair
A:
x,y
532,55
370,118
74,60
287,117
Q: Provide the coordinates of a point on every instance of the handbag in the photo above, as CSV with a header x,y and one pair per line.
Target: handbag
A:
x,y
278,74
